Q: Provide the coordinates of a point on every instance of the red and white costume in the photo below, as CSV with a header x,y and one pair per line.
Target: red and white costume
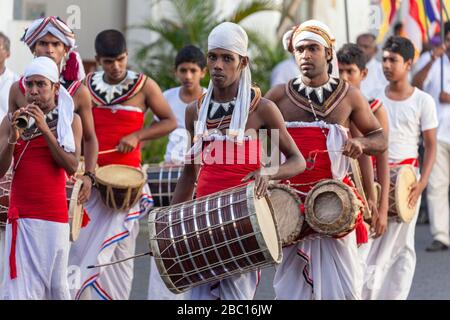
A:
x,y
110,235
37,234
326,268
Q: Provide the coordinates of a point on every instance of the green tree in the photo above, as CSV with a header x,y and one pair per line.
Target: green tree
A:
x,y
190,22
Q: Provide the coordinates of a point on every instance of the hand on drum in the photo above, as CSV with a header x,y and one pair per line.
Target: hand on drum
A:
x,y
379,219
415,191
128,143
353,148
261,182
86,188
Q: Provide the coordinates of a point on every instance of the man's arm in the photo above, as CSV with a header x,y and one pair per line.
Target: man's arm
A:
x,y
373,140
154,101
186,183
281,140
430,144
420,77
276,93
6,148
82,99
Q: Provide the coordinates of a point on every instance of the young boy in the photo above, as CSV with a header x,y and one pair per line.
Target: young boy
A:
x,y
190,69
352,68
120,98
391,259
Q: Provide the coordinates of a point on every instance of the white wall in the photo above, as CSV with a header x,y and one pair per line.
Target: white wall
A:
x,y
20,54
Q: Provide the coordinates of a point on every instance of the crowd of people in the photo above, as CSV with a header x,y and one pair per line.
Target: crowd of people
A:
x,y
339,105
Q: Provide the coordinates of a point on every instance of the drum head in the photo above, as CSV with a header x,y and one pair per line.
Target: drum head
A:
x,y
406,177
286,208
75,211
266,224
331,207
120,176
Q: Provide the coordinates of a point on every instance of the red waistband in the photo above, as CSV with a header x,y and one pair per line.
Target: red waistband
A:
x,y
411,161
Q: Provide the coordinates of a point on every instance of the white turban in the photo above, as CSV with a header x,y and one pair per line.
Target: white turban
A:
x,y
316,31
46,67
231,37
58,28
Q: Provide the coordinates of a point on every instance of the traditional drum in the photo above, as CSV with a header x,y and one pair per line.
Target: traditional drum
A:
x,y
120,186
162,180
332,208
213,237
357,179
75,209
5,186
402,178
285,204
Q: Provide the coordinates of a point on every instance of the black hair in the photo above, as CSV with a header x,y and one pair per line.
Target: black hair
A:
x,y
400,45
364,35
110,43
398,27
191,54
6,42
350,53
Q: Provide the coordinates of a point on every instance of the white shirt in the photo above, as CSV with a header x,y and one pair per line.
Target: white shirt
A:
x,y
407,119
284,71
178,139
432,85
6,80
375,79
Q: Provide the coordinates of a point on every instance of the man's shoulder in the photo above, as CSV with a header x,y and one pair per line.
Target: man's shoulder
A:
x,y
423,98
171,92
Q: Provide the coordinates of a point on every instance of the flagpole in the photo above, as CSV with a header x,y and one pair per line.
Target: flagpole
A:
x,y
442,42
427,26
347,30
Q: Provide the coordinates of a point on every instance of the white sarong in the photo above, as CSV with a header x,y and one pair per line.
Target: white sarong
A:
x,y
42,250
109,236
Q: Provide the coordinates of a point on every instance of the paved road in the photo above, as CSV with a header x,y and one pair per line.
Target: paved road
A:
x,y
431,280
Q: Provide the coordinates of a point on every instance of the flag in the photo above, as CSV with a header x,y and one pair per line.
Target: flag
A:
x,y
389,9
415,25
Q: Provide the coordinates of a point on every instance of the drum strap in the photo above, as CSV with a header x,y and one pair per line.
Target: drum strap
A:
x,y
411,161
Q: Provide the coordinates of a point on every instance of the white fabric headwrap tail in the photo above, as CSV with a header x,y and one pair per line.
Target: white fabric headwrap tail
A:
x,y
58,28
316,31
231,37
46,67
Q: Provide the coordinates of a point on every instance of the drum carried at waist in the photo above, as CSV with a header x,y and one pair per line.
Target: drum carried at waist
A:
x,y
332,208
213,237
402,178
162,180
5,187
120,186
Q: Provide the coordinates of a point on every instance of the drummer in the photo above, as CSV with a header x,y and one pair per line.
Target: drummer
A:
x,y
120,98
37,234
229,118
352,68
318,108
391,259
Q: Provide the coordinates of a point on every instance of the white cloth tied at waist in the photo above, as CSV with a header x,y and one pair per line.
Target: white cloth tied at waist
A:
x,y
336,137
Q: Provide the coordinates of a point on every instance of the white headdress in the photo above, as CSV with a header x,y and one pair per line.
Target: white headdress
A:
x,y
47,68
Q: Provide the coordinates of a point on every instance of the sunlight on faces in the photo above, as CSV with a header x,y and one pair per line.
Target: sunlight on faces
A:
x,y
352,74
394,66
115,67
312,58
189,74
225,67
40,91
51,47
